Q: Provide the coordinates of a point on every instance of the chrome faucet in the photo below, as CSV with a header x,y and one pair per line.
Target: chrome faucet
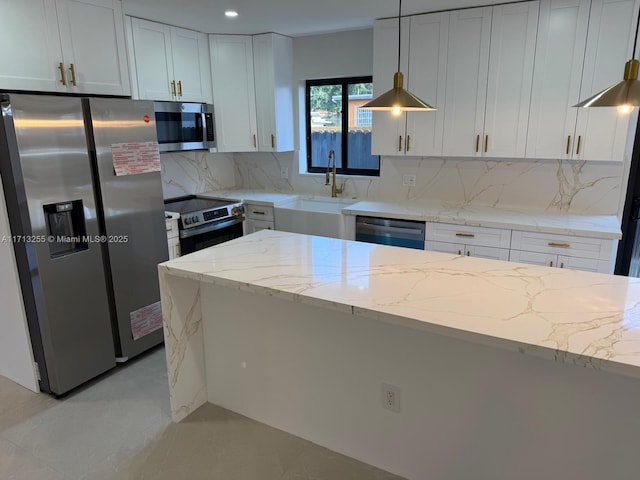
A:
x,y
335,190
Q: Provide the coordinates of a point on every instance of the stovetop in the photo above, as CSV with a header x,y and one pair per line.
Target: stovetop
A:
x,y
193,203
199,212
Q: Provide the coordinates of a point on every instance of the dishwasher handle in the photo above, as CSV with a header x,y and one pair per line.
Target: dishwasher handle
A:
x,y
385,228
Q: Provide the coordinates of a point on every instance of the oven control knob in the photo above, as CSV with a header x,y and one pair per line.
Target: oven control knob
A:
x,y
194,219
237,210
187,221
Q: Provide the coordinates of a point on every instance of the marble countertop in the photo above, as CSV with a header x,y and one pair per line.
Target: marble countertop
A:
x,y
599,226
258,197
596,226
582,318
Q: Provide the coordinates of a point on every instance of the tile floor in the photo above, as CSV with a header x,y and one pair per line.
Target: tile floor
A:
x,y
118,428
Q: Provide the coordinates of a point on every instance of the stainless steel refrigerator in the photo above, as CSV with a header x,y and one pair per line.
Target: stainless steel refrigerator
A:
x,y
87,241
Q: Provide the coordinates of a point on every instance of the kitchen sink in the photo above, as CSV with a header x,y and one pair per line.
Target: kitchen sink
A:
x,y
313,216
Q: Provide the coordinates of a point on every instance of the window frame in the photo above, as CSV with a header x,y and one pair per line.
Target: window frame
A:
x,y
345,82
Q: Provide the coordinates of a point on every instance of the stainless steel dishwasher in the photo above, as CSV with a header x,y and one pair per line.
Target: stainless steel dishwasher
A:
x,y
386,231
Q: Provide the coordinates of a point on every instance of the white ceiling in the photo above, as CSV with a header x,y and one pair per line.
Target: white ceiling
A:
x,y
288,17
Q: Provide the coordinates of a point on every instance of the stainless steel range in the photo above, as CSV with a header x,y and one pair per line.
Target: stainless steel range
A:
x,y
206,221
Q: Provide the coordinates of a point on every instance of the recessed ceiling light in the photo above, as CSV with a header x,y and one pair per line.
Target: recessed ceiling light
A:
x,y
231,13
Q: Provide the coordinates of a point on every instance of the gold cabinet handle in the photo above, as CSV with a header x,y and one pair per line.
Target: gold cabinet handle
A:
x,y
562,265
273,141
73,75
255,142
459,252
579,142
568,144
559,244
486,143
400,143
408,142
468,235
173,88
551,264
63,77
477,143
468,253
179,88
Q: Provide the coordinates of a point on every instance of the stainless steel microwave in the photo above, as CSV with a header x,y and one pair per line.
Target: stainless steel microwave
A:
x,y
185,126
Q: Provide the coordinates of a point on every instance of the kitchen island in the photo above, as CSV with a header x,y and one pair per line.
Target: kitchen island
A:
x,y
497,369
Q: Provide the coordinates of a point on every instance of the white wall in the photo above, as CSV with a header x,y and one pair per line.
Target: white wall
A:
x,y
466,411
16,356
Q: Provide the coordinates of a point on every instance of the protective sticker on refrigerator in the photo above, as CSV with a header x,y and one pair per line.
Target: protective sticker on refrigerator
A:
x,y
133,158
146,320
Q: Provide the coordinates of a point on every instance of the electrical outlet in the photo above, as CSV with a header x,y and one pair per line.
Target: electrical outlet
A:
x,y
390,397
408,180
284,172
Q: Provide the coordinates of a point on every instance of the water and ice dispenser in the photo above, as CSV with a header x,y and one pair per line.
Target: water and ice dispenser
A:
x,y
66,228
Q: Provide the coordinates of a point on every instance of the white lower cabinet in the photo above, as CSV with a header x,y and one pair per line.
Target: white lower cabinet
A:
x,y
548,249
559,261
173,239
466,240
563,251
258,217
468,250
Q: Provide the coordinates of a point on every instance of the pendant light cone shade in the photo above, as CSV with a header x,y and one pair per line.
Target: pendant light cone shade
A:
x,y
624,93
398,99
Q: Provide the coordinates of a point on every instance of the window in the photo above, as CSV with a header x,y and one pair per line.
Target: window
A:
x,y
336,122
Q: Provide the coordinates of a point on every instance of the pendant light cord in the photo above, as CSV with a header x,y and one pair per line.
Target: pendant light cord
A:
x,y
399,30
635,39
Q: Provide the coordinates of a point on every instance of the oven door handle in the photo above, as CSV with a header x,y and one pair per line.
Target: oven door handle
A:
x,y
209,227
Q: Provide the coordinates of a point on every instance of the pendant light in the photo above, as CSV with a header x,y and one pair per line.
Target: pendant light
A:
x,y
626,94
398,100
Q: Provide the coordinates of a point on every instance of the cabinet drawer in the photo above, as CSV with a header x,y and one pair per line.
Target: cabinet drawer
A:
x,y
262,225
584,247
172,227
468,250
258,212
468,235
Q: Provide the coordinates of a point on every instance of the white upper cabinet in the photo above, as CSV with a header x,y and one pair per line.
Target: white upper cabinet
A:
x,y
467,70
171,63
234,92
423,62
602,132
191,65
489,67
388,131
253,92
511,57
54,45
557,74
273,70
581,49
427,80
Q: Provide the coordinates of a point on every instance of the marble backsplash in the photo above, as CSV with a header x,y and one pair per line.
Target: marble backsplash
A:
x,y
555,186
185,173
